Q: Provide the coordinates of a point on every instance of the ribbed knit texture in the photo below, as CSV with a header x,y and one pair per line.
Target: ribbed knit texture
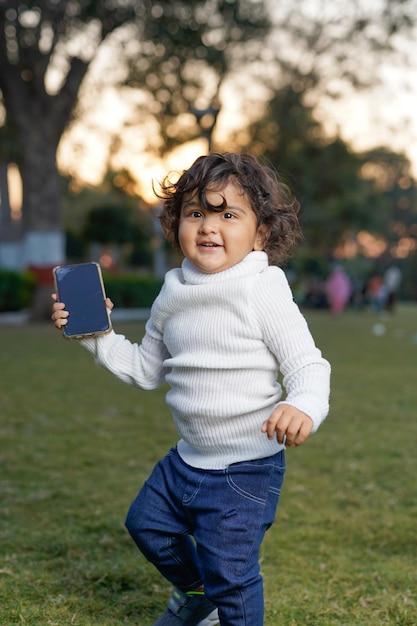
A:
x,y
219,340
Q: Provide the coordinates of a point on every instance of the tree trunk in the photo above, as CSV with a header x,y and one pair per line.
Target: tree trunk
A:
x,y
41,185
43,237
10,245
5,210
41,211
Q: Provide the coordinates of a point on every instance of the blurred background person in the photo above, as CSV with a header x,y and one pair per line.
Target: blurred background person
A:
x,y
338,289
392,281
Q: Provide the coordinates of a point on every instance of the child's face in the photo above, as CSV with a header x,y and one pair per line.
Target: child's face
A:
x,y
212,241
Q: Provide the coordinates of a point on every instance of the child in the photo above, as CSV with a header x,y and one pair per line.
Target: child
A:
x,y
221,328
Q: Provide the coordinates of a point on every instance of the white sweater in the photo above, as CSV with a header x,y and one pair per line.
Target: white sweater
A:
x,y
219,341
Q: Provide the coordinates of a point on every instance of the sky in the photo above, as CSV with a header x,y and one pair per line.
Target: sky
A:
x,y
384,115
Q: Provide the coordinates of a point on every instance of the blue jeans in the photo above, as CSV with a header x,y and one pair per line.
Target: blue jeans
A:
x,y
205,527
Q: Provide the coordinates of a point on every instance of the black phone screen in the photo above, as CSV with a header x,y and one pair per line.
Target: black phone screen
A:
x,y
80,288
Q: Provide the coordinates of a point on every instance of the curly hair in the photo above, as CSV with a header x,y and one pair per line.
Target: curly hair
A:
x,y
272,201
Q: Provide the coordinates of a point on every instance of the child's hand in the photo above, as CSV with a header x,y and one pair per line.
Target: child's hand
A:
x,y
291,426
60,315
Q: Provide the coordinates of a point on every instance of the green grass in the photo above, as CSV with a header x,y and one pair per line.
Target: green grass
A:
x,y
76,445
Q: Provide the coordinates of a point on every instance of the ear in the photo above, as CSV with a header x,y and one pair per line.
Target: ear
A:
x,y
261,237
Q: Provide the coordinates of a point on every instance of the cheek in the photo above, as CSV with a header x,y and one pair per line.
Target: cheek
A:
x,y
183,236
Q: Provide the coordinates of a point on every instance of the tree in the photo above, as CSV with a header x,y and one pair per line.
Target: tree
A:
x,y
180,52
38,41
185,58
45,51
312,51
391,176
347,198
324,172
10,230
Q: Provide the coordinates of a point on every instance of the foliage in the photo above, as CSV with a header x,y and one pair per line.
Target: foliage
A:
x,y
186,52
341,192
108,214
409,283
16,290
60,39
38,41
336,38
108,224
177,55
75,248
325,173
77,445
391,176
132,291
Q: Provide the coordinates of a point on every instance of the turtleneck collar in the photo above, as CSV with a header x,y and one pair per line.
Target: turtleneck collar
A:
x,y
253,263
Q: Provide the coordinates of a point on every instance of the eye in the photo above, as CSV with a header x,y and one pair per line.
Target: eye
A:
x,y
192,213
228,215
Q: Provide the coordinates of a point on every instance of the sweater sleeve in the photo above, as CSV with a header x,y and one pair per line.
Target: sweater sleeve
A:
x,y
139,365
306,374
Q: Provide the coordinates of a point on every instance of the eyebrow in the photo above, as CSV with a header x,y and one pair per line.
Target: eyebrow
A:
x,y
189,203
234,207
228,207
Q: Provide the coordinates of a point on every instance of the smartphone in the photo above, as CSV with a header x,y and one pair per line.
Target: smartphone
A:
x,y
80,287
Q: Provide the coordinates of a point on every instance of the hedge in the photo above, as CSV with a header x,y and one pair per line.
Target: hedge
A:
x,y
126,291
132,291
16,290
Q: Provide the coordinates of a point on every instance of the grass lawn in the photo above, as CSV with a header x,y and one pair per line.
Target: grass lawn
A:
x,y
76,444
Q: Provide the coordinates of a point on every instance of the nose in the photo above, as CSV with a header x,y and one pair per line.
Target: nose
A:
x,y
209,224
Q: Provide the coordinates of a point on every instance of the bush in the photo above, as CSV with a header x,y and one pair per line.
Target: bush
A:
x,y
132,291
16,290
109,224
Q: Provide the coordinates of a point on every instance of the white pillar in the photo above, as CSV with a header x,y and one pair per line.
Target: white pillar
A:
x,y
43,249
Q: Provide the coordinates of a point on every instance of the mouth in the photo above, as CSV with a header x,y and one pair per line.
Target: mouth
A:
x,y
209,244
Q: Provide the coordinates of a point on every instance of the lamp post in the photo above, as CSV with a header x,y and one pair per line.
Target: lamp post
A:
x,y
206,120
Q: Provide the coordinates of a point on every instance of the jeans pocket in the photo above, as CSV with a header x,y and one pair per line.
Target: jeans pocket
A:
x,y
255,479
248,482
248,509
260,483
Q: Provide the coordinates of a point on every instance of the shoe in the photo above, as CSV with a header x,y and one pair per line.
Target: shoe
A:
x,y
189,609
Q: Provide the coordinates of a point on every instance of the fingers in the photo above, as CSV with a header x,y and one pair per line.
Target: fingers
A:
x,y
109,304
297,433
277,424
269,425
60,318
59,314
290,426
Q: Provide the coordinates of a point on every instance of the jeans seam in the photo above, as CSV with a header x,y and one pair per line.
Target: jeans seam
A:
x,y
187,499
241,492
